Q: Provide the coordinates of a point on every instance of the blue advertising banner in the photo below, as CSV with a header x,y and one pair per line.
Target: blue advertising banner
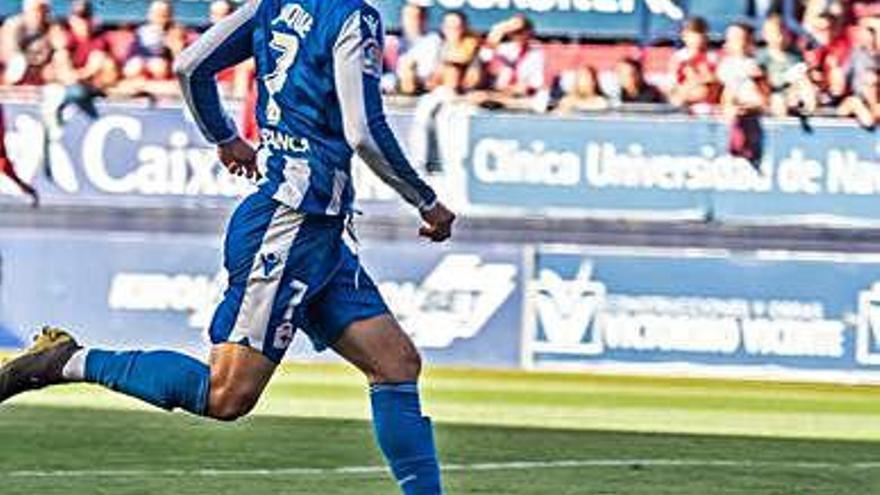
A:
x,y
668,167
592,18
8,339
623,310
663,167
139,157
462,304
144,156
705,312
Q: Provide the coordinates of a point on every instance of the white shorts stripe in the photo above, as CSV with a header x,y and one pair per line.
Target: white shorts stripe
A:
x,y
265,276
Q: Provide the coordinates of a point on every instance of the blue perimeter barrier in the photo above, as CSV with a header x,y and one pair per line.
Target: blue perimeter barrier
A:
x,y
673,311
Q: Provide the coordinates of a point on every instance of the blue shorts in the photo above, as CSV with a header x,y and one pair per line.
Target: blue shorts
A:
x,y
289,271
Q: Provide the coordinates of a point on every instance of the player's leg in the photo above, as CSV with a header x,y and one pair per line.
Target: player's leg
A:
x,y
259,238
8,170
350,315
241,363
239,375
166,379
392,365
225,390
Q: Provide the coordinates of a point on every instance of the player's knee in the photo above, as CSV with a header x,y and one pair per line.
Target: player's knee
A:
x,y
231,403
405,366
412,365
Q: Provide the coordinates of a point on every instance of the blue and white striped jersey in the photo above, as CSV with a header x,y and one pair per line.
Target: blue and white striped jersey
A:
x,y
318,69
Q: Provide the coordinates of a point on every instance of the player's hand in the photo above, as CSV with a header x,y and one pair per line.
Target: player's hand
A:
x,y
438,223
239,157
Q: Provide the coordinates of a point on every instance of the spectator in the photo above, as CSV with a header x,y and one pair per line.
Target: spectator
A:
x,y
419,51
459,69
633,86
745,88
150,57
693,68
219,10
791,91
864,104
586,94
778,58
745,94
865,60
515,63
866,8
25,47
458,72
830,55
85,57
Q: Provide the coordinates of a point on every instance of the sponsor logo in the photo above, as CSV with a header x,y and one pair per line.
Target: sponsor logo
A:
x,y
372,23
281,141
114,159
868,327
455,301
31,150
504,161
269,262
633,165
567,310
579,316
667,8
372,58
195,295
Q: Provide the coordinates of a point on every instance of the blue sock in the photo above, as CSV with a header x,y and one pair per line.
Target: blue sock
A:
x,y
406,438
164,379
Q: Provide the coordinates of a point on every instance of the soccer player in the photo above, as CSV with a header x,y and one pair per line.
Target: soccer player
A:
x,y
319,64
7,168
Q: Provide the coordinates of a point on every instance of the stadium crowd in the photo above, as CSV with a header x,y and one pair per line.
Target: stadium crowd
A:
x,y
38,48
825,60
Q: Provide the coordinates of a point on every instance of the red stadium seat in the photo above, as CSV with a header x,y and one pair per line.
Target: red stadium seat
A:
x,y
562,57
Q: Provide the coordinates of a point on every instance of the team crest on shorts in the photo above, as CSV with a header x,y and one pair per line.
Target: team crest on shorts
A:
x,y
269,261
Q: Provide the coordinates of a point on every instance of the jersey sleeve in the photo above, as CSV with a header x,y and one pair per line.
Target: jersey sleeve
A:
x,y
226,44
357,65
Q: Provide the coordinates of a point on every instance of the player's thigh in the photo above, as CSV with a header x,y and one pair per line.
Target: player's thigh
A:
x,y
259,240
350,316
381,349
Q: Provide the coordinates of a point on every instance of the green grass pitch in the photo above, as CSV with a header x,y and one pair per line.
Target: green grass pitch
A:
x,y
500,433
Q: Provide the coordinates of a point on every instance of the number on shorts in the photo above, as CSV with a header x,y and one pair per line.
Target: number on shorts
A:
x,y
299,292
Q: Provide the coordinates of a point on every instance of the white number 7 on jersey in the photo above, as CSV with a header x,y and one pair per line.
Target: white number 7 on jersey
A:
x,y
288,46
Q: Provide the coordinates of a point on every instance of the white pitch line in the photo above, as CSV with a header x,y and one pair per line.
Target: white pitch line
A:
x,y
476,467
